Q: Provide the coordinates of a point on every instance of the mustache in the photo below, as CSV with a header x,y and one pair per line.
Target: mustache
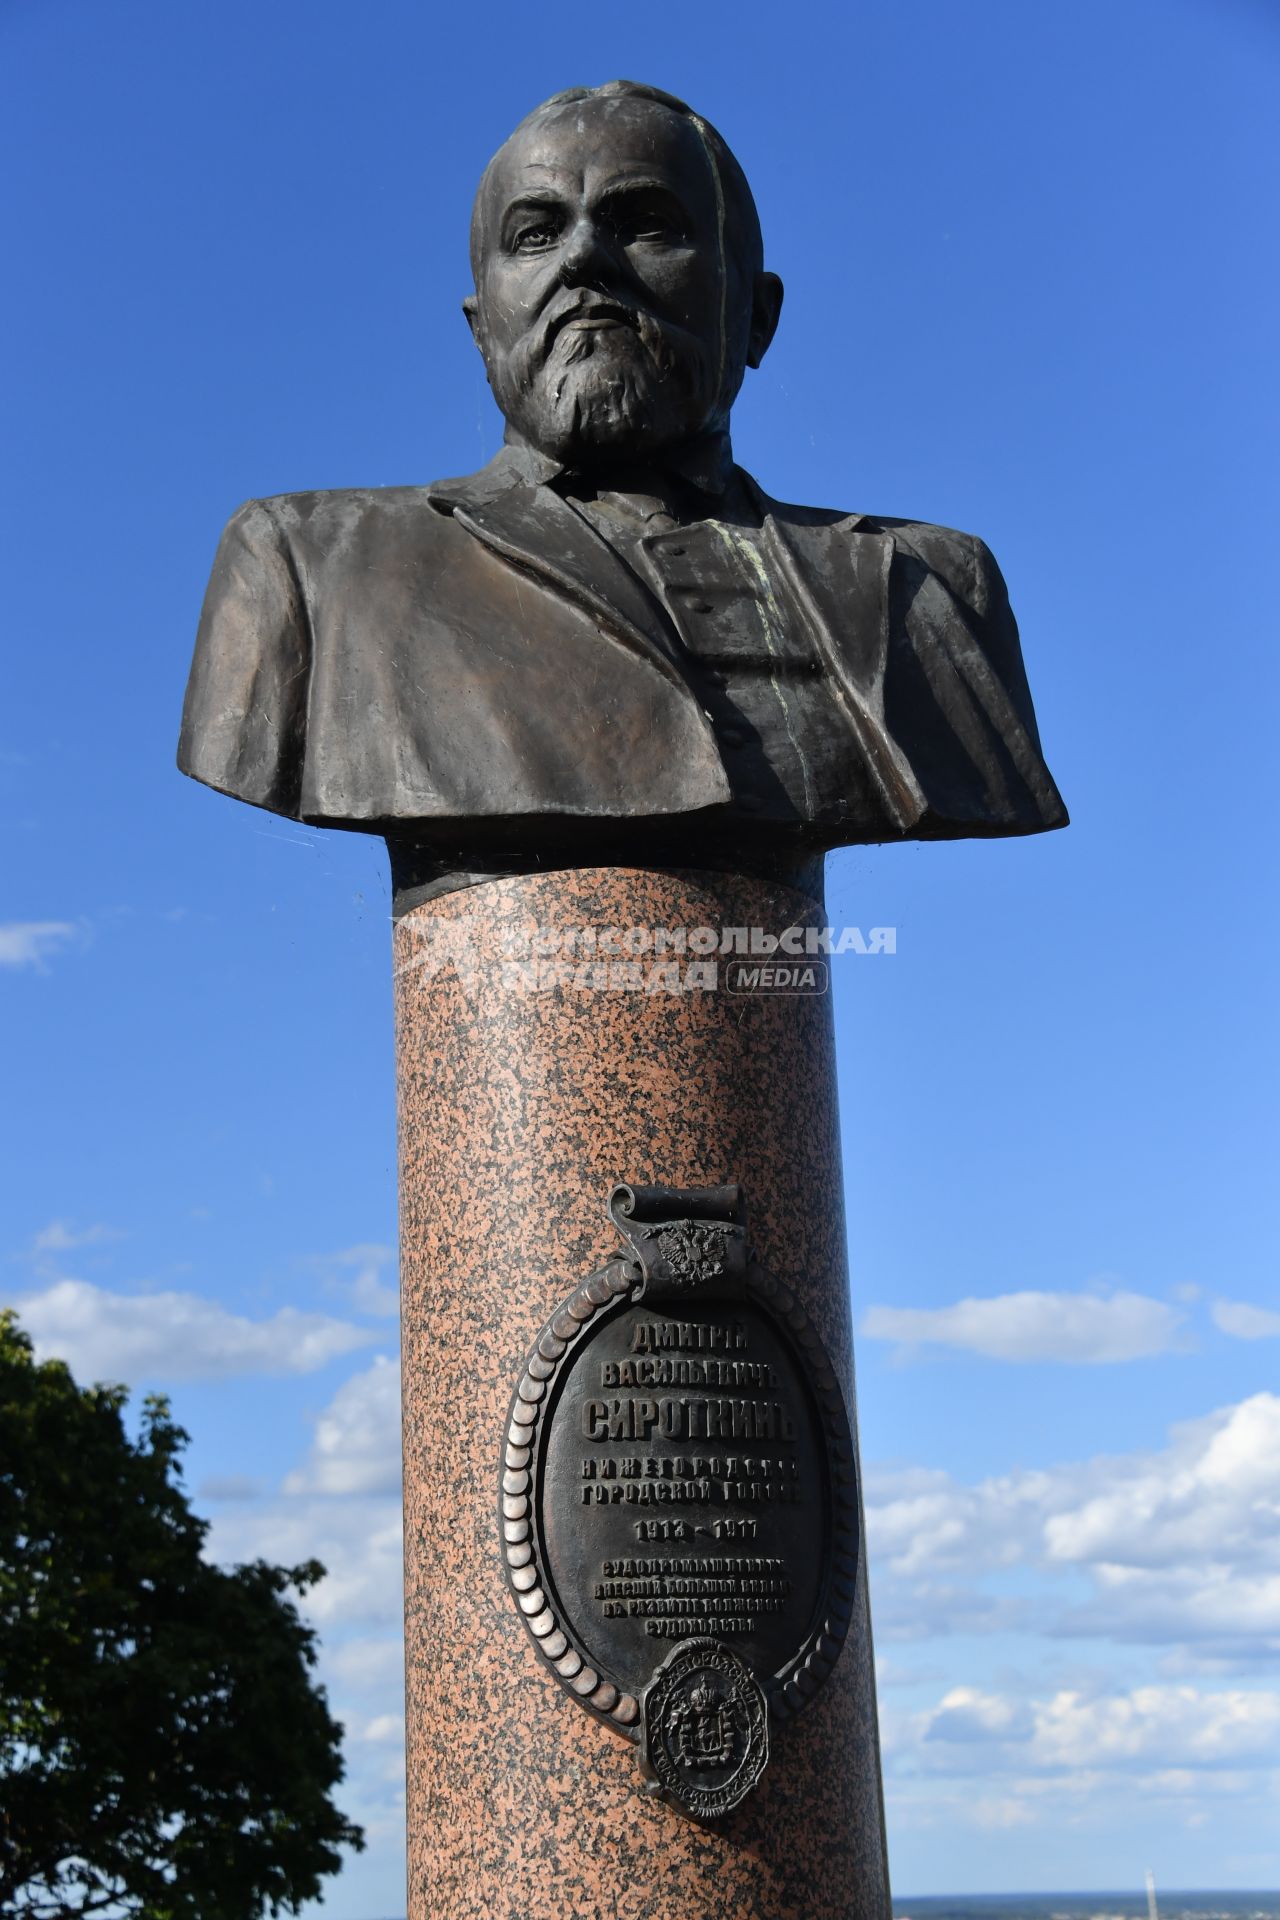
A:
x,y
589,306
666,345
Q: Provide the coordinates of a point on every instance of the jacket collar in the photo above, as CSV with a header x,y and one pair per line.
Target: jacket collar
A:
x,y
841,583
706,463
510,507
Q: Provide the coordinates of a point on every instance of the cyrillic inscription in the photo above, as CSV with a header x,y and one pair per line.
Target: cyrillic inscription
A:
x,y
705,1416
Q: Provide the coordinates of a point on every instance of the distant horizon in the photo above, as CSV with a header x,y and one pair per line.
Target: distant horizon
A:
x,y
1138,1898
1060,1893
1172,1901
1096,1893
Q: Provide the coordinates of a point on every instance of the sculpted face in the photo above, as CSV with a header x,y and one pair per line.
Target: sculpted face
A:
x,y
611,322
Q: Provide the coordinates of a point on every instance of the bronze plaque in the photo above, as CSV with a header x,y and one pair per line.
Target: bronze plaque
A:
x,y
679,1479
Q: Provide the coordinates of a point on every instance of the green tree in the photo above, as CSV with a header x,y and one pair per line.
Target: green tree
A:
x,y
165,1752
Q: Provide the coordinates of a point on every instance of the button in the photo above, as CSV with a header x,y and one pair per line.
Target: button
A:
x,y
677,553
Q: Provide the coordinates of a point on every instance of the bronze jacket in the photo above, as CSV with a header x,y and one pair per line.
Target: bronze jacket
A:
x,y
475,651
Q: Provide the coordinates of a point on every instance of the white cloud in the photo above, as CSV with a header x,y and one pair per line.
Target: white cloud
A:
x,y
342,1507
999,1812
924,1522
1178,1727
1245,1322
356,1446
30,943
384,1729
364,1666
358,1540
965,1713
175,1336
60,1237
892,1673
1080,1328
367,1291
358,1609
914,1610
1085,1758
1011,1787
1213,1493
1176,1731
1233,1619
1177,1545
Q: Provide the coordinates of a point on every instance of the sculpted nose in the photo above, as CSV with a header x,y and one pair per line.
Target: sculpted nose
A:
x,y
586,257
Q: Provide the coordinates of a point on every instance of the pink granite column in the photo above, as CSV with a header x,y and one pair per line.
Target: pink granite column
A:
x,y
519,1109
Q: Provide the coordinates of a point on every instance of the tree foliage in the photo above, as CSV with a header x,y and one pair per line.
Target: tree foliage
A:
x,y
165,1752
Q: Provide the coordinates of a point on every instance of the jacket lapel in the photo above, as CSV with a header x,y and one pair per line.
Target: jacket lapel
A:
x,y
534,529
839,579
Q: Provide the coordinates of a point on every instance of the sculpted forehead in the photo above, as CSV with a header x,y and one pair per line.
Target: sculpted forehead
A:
x,y
584,142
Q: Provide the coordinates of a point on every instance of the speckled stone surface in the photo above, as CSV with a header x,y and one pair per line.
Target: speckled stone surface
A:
x,y
519,1108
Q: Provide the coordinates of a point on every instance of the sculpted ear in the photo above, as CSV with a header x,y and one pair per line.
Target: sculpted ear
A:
x,y
471,311
766,305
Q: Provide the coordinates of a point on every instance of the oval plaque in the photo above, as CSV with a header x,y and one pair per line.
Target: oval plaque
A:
x,y
679,1479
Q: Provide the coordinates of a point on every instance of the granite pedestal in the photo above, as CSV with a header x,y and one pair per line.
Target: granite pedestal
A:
x,y
523,1097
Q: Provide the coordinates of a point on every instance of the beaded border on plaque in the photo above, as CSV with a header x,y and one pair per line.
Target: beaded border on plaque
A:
x,y
619,1283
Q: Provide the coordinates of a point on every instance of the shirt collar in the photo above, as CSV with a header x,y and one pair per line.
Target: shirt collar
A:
x,y
706,463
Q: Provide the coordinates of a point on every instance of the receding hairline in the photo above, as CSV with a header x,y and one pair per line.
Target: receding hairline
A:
x,y
746,241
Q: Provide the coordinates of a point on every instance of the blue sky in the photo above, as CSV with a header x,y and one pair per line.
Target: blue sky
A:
x,y
1032,293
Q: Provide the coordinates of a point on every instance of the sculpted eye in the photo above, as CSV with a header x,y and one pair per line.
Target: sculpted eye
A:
x,y
535,238
652,222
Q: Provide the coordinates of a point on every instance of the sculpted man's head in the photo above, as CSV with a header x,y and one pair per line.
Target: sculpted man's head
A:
x,y
620,291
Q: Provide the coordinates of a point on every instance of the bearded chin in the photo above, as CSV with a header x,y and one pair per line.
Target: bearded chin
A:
x,y
606,394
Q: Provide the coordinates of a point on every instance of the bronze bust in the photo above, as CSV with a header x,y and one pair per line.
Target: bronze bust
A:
x,y
610,645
